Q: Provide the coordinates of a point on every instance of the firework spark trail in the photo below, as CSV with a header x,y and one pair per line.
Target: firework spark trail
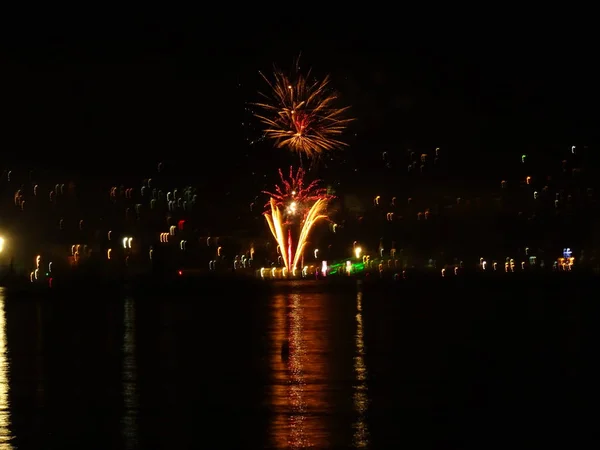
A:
x,y
276,226
302,116
294,189
316,213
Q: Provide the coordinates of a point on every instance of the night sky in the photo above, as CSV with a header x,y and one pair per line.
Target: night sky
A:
x,y
118,104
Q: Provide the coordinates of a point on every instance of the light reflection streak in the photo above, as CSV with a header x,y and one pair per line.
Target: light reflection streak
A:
x,y
299,368
5,421
129,376
360,397
298,438
39,356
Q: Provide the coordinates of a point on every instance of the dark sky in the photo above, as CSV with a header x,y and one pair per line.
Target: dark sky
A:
x,y
171,92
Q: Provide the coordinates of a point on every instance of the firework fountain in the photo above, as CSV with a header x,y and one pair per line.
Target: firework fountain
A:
x,y
293,205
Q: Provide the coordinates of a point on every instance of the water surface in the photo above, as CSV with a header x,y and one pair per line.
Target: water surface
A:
x,y
299,368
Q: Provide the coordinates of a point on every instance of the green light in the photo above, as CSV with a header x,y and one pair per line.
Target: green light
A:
x,y
356,267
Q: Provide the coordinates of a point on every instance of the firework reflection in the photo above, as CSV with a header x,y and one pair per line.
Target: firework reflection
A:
x,y
361,398
299,368
297,355
39,351
129,376
5,420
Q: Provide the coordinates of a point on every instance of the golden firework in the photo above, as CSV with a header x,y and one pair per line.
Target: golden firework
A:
x,y
301,115
292,256
305,205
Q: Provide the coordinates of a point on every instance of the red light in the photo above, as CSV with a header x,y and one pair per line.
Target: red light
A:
x,y
180,272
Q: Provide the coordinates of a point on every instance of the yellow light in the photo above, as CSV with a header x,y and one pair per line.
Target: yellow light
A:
x,y
357,252
1,244
276,225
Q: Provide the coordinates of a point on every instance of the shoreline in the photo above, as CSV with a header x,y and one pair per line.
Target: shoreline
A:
x,y
227,283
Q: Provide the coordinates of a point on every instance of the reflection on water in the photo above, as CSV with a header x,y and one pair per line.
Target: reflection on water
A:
x,y
129,376
39,358
5,434
299,366
361,399
113,373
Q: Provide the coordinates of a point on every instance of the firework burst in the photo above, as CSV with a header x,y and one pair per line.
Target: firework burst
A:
x,y
301,115
294,190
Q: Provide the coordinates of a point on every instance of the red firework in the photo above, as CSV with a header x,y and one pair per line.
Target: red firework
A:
x,y
293,189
